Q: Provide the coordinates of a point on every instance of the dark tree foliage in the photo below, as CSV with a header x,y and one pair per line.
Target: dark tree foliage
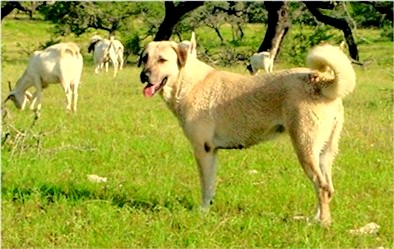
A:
x,y
371,13
163,19
8,6
384,8
78,16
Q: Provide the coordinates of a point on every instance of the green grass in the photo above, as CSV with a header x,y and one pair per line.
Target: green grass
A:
x,y
151,198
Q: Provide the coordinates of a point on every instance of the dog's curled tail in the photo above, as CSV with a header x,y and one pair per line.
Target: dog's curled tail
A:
x,y
326,58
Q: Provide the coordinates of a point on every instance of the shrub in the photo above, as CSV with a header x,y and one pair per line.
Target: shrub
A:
x,y
302,41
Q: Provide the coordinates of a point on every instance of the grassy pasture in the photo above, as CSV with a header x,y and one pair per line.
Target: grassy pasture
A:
x,y
151,198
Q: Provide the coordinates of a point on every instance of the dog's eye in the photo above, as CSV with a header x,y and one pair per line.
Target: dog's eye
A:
x,y
162,60
145,59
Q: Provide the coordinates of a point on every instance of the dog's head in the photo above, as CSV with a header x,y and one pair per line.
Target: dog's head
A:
x,y
162,62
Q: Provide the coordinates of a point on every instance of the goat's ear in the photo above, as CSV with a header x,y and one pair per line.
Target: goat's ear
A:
x,y
249,68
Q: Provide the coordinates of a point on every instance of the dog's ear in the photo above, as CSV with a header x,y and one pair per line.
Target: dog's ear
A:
x,y
182,52
193,45
142,54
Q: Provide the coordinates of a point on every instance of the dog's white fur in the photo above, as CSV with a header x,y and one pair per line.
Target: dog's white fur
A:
x,y
262,60
62,63
105,51
223,110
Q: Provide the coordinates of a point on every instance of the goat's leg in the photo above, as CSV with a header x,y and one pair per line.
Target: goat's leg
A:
x,y
121,62
115,68
266,67
36,100
97,69
271,67
115,63
33,101
66,85
69,99
74,89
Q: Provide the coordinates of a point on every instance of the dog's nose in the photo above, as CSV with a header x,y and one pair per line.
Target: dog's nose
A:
x,y
144,76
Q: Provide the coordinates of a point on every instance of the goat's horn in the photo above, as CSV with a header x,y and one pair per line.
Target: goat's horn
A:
x,y
9,85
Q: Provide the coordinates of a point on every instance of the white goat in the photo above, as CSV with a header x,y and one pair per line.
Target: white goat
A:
x,y
262,60
104,51
119,48
62,63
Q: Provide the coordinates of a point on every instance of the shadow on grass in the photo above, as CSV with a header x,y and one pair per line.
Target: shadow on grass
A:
x,y
48,194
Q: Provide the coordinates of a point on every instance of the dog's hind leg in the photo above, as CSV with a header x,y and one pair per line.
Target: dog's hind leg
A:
x,y
328,153
308,150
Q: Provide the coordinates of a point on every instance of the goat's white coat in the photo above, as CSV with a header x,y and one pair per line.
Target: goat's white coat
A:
x,y
262,60
107,50
62,63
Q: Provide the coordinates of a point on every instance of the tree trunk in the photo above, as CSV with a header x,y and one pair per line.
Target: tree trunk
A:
x,y
278,25
173,15
336,23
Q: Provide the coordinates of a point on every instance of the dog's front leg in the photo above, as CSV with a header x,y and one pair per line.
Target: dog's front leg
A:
x,y
206,161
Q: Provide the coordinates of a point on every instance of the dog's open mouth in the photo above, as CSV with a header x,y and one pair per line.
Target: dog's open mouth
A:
x,y
151,89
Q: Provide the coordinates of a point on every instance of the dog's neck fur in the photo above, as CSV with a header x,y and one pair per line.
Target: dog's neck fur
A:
x,y
175,93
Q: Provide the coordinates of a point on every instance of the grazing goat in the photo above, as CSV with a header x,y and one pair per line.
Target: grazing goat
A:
x,y
262,60
106,50
62,63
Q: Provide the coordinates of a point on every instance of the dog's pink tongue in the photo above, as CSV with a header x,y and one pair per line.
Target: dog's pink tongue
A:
x,y
149,90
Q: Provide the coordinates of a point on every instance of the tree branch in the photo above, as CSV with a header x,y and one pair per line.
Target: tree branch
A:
x,y
336,23
173,14
230,11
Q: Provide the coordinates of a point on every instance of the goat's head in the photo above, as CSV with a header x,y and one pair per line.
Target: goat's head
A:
x,y
19,98
95,38
93,41
249,68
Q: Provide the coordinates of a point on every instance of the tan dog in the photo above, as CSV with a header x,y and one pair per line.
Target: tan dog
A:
x,y
222,110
